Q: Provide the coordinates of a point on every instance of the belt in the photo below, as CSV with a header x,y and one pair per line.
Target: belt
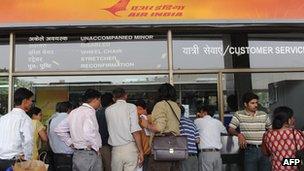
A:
x,y
85,149
253,145
63,155
209,150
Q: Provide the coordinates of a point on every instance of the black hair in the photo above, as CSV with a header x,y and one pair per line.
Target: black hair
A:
x,y
247,97
33,111
57,106
232,102
119,92
208,109
141,103
182,110
21,94
107,100
166,92
150,107
90,94
64,107
280,116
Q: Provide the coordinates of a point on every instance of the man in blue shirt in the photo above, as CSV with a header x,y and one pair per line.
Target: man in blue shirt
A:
x,y
188,128
62,152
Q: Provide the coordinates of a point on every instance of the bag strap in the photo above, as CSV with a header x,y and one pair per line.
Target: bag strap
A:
x,y
173,111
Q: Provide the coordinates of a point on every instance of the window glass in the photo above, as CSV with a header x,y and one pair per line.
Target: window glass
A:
x,y
194,90
4,54
277,54
198,54
50,90
3,95
273,89
90,52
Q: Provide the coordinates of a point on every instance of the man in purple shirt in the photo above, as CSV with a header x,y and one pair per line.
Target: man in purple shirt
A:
x,y
80,131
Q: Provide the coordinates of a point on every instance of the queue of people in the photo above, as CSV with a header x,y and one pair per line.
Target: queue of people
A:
x,y
108,133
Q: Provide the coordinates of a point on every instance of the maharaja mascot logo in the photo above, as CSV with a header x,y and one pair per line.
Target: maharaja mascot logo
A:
x,y
119,6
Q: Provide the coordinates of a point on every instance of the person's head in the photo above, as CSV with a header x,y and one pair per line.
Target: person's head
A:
x,y
204,110
250,101
35,113
141,106
120,94
150,107
65,107
282,115
23,98
92,97
107,100
57,106
232,102
166,92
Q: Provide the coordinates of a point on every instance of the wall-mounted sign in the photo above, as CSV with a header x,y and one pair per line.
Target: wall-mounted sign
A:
x,y
93,52
69,12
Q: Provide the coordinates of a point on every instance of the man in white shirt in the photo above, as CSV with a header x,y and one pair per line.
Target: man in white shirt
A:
x,y
63,154
16,130
210,130
80,130
124,132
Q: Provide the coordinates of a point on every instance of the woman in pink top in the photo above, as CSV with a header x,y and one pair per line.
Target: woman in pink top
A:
x,y
283,140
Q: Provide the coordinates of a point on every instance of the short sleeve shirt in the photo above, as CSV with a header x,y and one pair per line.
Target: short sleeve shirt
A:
x,y
282,144
253,127
38,126
122,120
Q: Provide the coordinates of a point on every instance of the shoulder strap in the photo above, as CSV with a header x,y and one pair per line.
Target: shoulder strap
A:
x,y
173,111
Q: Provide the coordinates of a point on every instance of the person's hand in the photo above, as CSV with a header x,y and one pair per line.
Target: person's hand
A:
x,y
98,153
242,141
21,157
140,159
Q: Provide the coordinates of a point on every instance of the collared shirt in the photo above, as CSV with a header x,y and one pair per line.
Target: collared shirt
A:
x,y
252,126
80,128
122,121
188,128
57,145
16,135
210,130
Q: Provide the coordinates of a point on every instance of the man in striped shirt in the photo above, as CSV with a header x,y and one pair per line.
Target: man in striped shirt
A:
x,y
252,124
188,128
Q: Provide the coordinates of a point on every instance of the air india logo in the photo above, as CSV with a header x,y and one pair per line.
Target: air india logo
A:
x,y
119,6
167,10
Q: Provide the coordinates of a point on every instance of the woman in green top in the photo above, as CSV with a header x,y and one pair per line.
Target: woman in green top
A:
x,y
39,130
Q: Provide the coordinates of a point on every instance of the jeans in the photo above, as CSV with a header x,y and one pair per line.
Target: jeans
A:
x,y
255,160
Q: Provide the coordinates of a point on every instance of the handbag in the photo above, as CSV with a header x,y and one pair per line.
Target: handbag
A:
x,y
300,152
31,165
168,147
